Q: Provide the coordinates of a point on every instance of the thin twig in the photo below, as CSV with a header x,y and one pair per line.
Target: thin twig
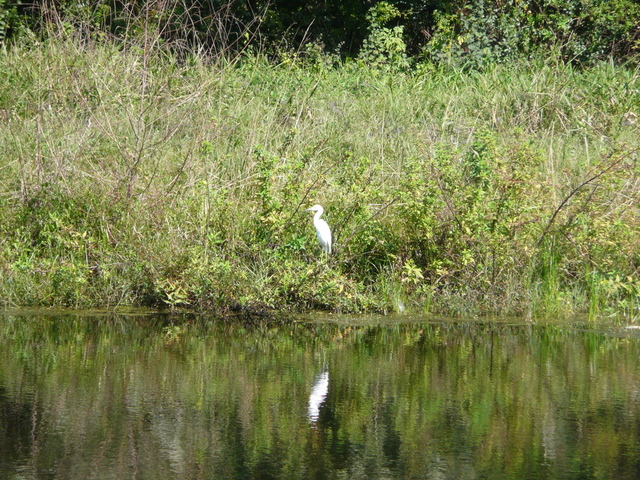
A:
x,y
577,189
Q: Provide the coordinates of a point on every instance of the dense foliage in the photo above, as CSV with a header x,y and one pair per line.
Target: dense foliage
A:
x,y
130,176
468,32
164,155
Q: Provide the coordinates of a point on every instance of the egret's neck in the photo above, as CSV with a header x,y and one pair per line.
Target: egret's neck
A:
x,y
316,217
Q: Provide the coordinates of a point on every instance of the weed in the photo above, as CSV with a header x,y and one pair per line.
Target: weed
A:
x,y
132,177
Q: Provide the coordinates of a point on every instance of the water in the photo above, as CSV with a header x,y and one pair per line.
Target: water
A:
x,y
152,397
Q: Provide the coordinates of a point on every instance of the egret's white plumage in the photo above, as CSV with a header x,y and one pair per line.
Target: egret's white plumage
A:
x,y
323,232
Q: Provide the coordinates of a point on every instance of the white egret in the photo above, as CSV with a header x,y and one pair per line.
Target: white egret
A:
x,y
323,232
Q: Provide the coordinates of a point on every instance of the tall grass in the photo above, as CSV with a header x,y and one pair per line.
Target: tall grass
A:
x,y
129,176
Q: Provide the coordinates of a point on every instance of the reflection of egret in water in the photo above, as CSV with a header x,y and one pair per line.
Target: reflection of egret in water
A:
x,y
318,394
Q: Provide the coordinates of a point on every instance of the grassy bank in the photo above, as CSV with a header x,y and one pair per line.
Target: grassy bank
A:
x,y
128,177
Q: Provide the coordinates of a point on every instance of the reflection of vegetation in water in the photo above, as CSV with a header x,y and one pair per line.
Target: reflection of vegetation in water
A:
x,y
113,395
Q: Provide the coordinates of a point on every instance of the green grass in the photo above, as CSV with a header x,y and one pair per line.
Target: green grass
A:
x,y
129,177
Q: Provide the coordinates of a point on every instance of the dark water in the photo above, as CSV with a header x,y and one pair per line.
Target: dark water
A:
x,y
150,397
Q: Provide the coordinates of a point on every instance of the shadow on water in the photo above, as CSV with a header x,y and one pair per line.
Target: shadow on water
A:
x,y
143,395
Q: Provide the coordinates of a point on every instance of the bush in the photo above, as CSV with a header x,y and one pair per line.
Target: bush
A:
x,y
481,32
132,177
469,33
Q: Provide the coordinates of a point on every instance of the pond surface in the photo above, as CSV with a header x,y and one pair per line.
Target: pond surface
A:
x,y
156,397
